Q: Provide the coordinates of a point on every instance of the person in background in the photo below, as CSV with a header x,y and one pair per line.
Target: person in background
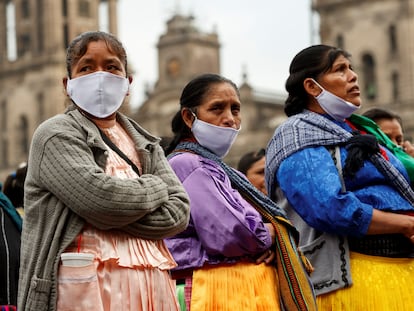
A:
x,y
391,124
98,186
348,196
387,129
13,187
10,231
226,255
252,164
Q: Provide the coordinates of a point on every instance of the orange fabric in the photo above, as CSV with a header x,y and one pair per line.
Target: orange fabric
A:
x,y
241,286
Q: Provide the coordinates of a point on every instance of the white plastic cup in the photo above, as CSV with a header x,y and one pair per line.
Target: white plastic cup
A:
x,y
77,259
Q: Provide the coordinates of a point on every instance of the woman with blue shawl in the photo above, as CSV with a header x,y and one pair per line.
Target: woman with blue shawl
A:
x,y
348,196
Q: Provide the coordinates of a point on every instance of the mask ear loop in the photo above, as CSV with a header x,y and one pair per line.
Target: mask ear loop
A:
x,y
320,86
193,113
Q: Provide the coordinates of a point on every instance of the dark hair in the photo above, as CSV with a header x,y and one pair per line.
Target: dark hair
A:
x,y
165,142
247,160
308,63
78,47
192,96
377,114
13,186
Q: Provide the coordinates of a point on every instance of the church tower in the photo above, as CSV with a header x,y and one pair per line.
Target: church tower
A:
x,y
183,53
34,36
379,34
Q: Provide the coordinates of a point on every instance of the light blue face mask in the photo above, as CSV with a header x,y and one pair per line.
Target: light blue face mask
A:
x,y
217,139
336,107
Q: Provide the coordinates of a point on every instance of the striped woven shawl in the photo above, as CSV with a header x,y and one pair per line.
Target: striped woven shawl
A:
x,y
310,129
294,285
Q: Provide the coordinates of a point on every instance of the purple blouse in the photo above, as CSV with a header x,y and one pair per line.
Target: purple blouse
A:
x,y
223,226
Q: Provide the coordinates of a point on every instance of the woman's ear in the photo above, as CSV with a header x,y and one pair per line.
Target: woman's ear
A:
x,y
130,79
65,84
311,87
187,116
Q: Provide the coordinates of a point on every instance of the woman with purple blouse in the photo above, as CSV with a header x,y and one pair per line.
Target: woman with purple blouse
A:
x,y
226,254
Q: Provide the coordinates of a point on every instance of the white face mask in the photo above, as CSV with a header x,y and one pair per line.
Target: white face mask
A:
x,y
336,107
217,139
99,94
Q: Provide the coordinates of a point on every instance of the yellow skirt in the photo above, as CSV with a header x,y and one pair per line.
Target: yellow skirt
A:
x,y
241,286
379,284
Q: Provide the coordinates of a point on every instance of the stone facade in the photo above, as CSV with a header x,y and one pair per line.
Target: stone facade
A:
x,y
380,36
378,33
185,52
31,88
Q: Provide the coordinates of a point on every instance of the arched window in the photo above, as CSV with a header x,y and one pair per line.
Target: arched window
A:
x,y
25,9
4,147
41,35
340,41
64,8
395,80
3,114
84,8
24,135
40,107
4,153
368,71
24,44
66,36
392,37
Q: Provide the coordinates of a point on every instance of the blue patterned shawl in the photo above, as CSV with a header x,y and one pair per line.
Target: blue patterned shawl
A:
x,y
295,288
309,129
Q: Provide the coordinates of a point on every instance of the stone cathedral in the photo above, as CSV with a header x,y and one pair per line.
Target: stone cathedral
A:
x,y
34,35
31,87
379,34
183,53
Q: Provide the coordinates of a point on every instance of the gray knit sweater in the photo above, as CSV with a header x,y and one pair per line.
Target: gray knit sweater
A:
x,y
66,187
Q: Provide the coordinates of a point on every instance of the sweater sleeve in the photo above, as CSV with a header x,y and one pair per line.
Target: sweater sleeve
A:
x,y
153,205
172,216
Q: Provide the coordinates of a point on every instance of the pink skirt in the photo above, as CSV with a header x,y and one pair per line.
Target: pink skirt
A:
x,y
129,273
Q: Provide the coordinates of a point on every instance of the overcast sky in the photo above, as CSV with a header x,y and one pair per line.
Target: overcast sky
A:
x,y
261,36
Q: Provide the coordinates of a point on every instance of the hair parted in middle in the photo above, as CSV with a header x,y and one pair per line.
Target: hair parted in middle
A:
x,y
192,96
311,62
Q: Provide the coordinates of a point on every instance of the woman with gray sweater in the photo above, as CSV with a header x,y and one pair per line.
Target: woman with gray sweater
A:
x,y
99,186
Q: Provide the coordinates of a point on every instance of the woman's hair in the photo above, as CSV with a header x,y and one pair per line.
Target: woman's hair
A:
x,y
13,186
247,160
308,63
377,114
78,47
192,96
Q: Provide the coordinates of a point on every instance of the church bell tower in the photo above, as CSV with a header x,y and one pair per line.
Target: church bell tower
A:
x,y
183,53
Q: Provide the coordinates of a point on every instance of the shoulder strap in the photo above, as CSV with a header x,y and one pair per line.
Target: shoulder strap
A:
x,y
119,151
336,157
